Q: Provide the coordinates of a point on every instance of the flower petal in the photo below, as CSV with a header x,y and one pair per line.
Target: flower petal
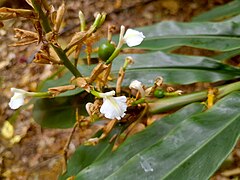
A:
x,y
107,94
20,91
135,84
16,101
138,86
114,107
133,37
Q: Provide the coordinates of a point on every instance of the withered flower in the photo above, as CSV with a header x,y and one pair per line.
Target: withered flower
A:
x,y
9,13
26,37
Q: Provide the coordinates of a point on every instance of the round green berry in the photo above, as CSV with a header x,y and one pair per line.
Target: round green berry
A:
x,y
159,93
105,51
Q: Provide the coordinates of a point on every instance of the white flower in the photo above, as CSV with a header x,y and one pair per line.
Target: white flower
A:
x,y
17,99
138,86
113,107
133,37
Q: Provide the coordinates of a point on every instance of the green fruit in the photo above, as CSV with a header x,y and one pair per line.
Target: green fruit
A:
x,y
159,93
105,51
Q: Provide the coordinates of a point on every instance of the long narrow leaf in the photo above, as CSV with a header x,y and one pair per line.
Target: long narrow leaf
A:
x,y
108,164
216,43
229,27
206,35
227,55
84,156
193,150
165,60
175,69
226,10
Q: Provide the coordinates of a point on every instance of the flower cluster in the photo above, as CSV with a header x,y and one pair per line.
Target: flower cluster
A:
x,y
112,107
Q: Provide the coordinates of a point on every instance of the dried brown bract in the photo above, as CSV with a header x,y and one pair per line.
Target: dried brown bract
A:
x,y
44,57
59,17
21,34
60,89
82,83
9,13
51,37
97,71
26,37
76,39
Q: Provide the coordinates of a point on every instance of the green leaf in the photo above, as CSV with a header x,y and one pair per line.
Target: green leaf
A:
x,y
205,35
165,60
59,112
111,162
216,43
84,156
220,12
176,75
175,69
229,27
193,149
227,55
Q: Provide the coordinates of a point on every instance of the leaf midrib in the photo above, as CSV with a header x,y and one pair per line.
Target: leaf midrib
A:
x,y
192,37
237,72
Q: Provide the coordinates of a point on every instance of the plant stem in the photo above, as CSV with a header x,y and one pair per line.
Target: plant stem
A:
x,y
139,101
95,93
119,46
224,90
113,56
166,104
39,94
42,17
61,54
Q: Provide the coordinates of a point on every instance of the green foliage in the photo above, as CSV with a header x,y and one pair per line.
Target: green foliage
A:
x,y
216,43
121,155
227,10
60,112
229,27
196,143
84,156
175,69
185,145
217,36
